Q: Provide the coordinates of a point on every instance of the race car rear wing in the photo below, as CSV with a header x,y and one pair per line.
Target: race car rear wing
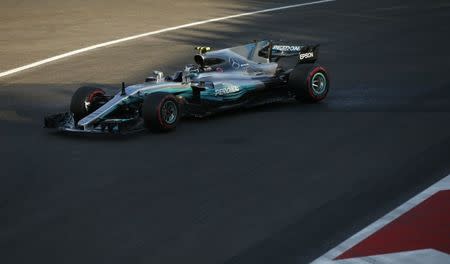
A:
x,y
306,54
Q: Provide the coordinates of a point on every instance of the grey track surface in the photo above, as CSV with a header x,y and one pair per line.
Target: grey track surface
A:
x,y
278,184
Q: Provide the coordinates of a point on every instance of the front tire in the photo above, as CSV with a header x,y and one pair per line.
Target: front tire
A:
x,y
161,112
309,82
83,101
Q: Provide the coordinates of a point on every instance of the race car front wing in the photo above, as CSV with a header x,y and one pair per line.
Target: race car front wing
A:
x,y
65,122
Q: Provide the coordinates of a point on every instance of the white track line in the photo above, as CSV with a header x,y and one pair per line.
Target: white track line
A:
x,y
429,256
101,45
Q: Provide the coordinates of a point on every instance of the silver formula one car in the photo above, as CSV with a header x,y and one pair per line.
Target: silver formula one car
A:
x,y
238,77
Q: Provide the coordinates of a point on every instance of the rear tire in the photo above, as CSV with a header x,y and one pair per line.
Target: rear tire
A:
x,y
161,112
81,104
309,82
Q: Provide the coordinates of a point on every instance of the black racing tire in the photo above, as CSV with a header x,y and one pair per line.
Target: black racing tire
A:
x,y
310,82
161,112
81,100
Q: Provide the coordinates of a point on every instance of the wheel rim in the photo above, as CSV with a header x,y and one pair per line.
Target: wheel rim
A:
x,y
90,99
169,112
319,83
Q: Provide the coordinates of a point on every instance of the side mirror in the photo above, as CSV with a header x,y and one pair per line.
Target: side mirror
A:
x,y
150,79
159,76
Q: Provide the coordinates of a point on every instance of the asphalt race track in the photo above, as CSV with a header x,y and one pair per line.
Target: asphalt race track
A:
x,y
277,184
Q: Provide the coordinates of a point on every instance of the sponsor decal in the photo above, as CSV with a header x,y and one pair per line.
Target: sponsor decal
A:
x,y
287,48
226,90
306,55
